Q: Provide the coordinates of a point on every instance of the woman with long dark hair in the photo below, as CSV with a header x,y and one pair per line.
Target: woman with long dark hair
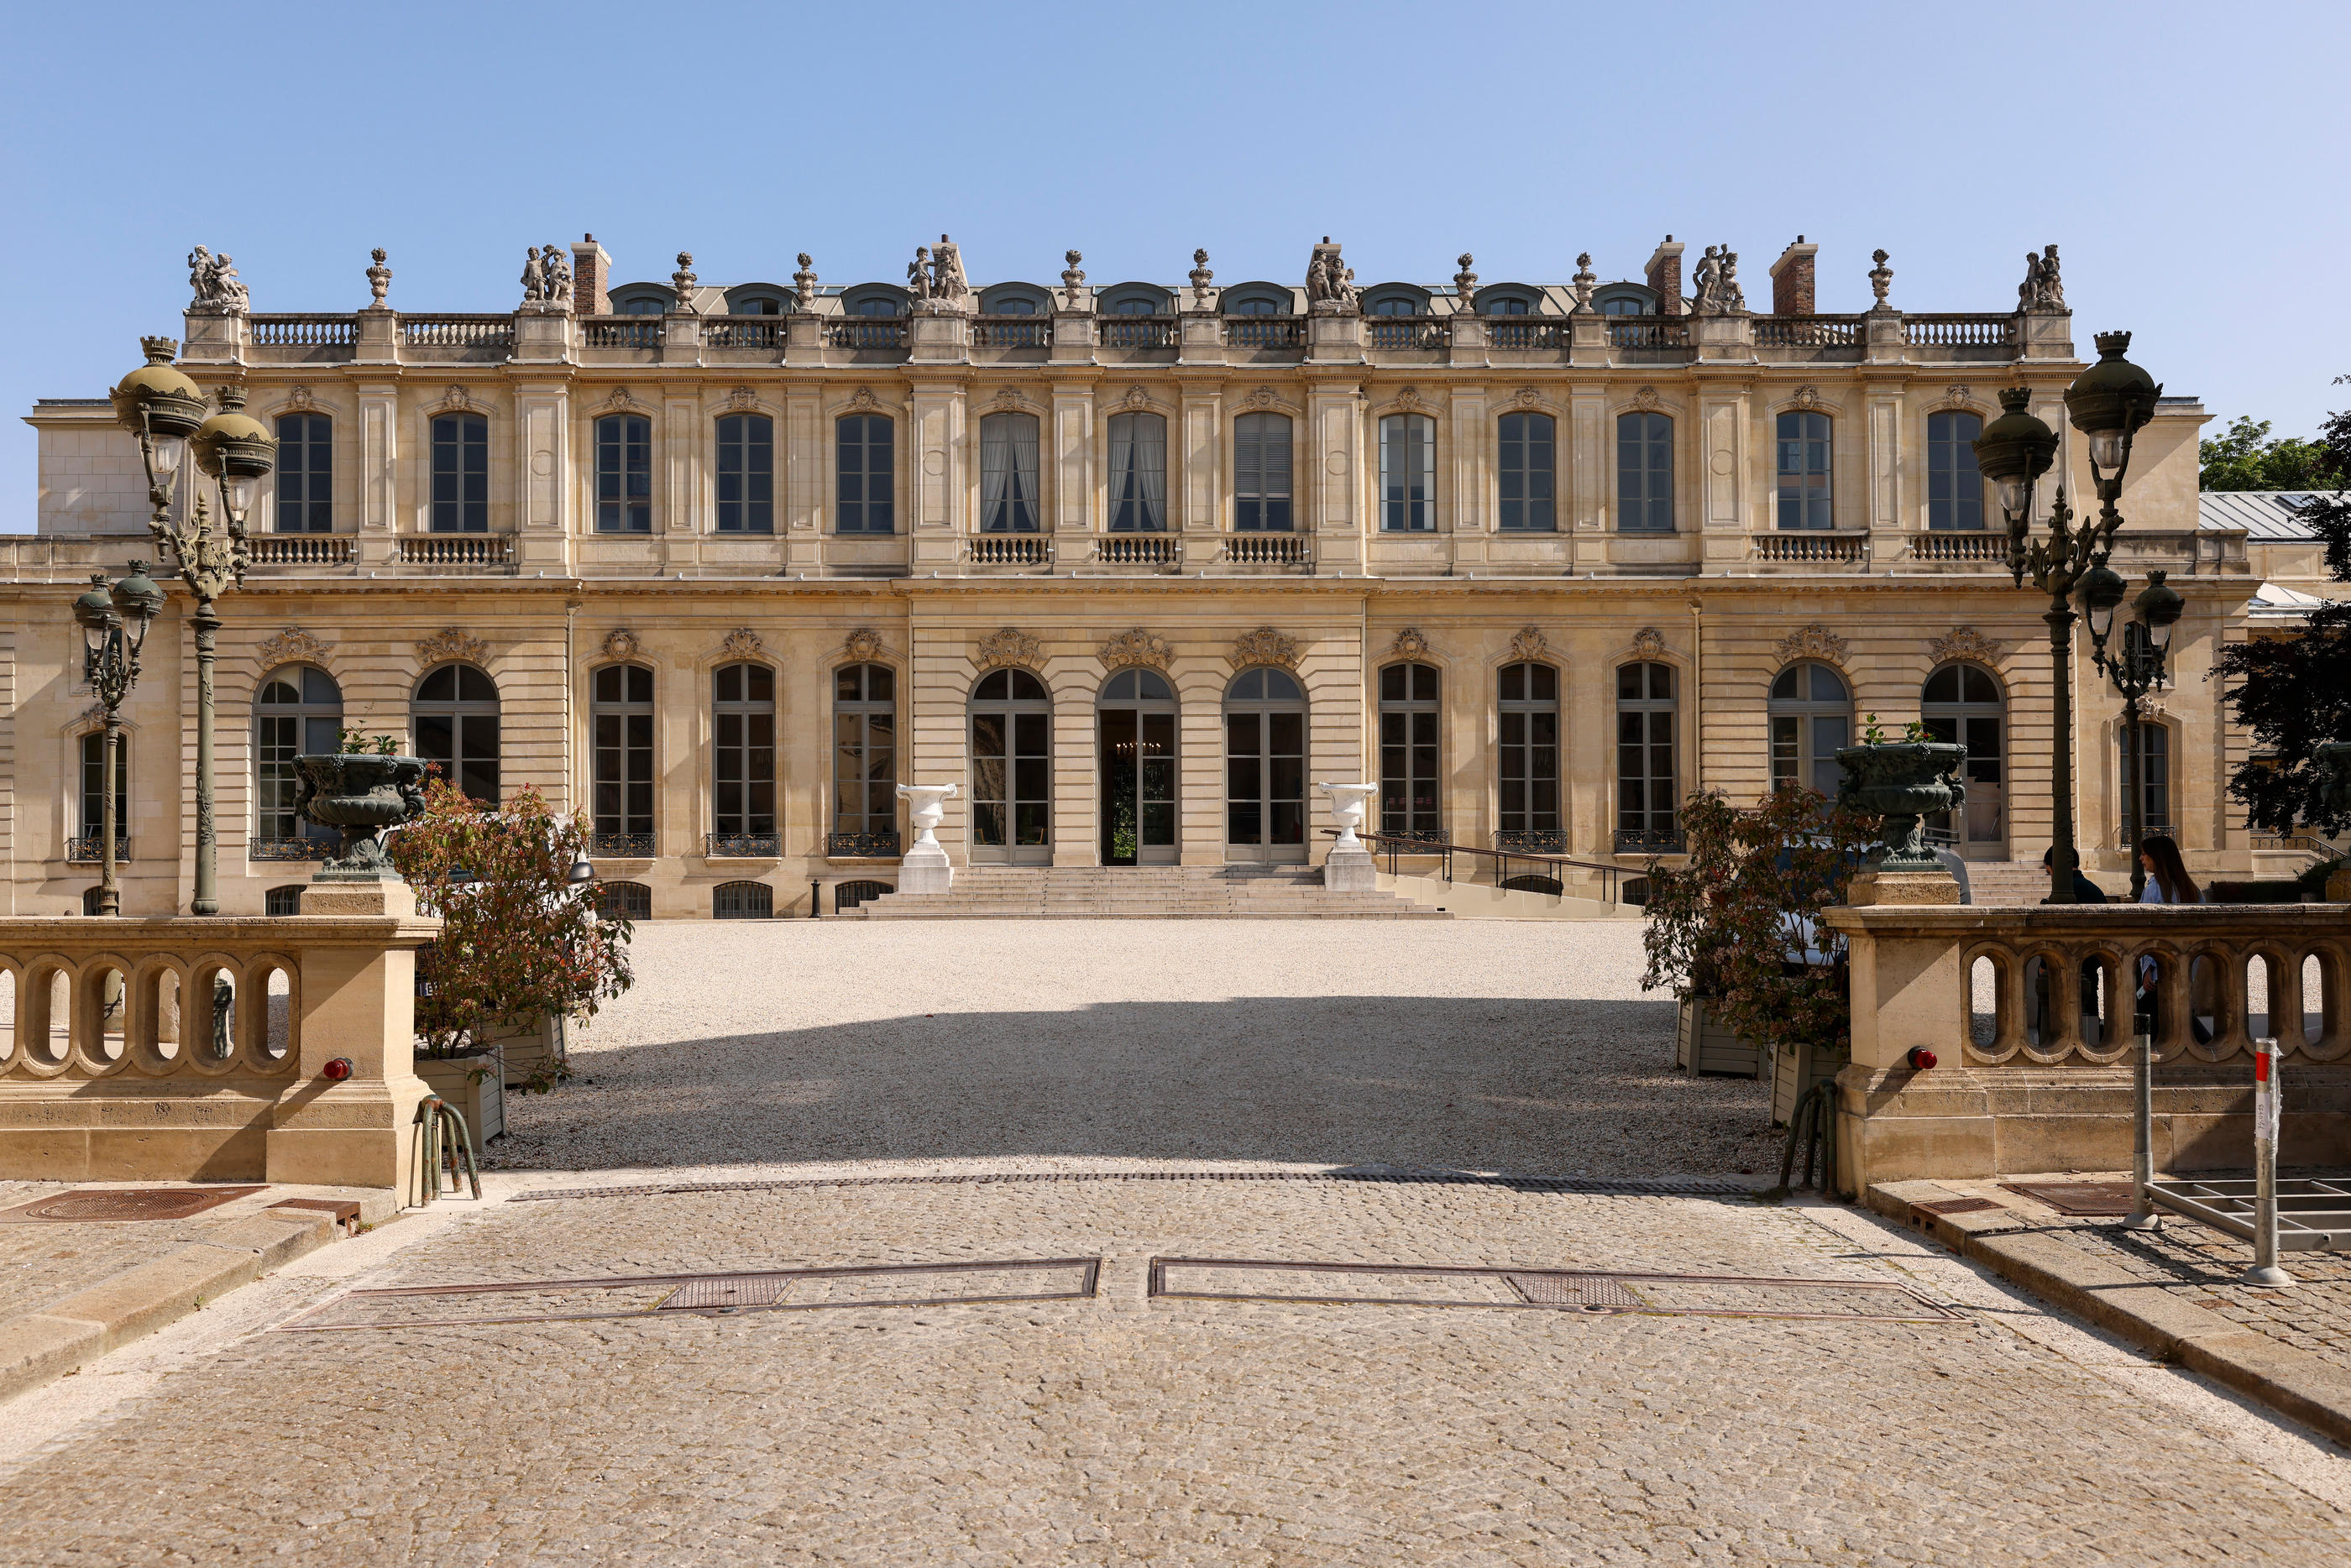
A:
x,y
2168,882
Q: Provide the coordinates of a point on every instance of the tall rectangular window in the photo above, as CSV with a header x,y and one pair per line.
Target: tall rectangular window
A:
x,y
1647,802
746,474
1261,473
1645,474
1524,469
1007,473
1955,497
1408,474
461,474
624,475
1138,473
306,457
621,711
864,760
743,764
1804,471
93,781
861,475
2153,768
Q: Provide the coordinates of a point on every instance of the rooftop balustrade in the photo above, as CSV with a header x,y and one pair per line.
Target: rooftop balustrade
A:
x,y
1138,332
1404,332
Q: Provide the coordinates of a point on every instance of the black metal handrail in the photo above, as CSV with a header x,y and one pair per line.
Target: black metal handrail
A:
x,y
1395,846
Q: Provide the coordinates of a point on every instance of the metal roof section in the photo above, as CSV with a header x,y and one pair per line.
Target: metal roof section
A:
x,y
2273,603
2274,514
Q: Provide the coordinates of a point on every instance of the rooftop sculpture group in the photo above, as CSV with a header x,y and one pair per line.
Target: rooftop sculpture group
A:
x,y
2042,289
935,281
1331,282
1715,277
217,287
546,276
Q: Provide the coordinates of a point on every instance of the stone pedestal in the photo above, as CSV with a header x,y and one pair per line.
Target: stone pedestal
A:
x,y
393,897
1886,887
1351,871
925,870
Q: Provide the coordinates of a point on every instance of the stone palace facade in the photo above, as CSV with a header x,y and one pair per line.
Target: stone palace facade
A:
x,y
1135,564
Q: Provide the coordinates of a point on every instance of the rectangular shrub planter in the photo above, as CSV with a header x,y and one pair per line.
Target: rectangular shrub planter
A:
x,y
1701,1045
481,1100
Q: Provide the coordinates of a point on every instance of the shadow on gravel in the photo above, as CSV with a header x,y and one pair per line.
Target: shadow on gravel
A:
x,y
1541,1086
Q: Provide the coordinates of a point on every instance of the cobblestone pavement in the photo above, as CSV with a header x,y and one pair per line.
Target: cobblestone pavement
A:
x,y
1122,1429
1489,1045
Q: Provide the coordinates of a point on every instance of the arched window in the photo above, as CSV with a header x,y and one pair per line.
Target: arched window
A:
x,y
1645,474
1256,305
2153,768
1133,307
1015,307
1408,474
862,472
461,474
1524,469
743,764
1265,767
1648,794
877,306
1812,721
1135,721
1505,305
1623,304
624,901
1962,703
1527,792
864,761
1012,768
1261,473
1394,304
1954,484
643,305
456,718
747,473
1804,498
621,712
279,902
624,475
306,471
1138,473
88,844
1008,472
297,712
1408,799
742,901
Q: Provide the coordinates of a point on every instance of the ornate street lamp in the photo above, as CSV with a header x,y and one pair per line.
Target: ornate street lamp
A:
x,y
164,408
2108,403
114,625
2136,667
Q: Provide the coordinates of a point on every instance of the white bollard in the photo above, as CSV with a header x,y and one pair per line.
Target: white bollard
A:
x,y
2143,1216
2265,1270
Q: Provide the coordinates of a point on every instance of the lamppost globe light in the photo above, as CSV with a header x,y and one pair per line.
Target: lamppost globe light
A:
x,y
2101,592
2160,605
157,401
139,601
2014,451
94,609
2109,401
583,872
235,448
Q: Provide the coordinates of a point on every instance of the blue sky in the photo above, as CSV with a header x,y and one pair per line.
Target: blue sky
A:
x,y
2187,159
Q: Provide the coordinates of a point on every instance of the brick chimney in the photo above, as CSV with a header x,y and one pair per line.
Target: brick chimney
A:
x,y
1663,275
1792,280
591,278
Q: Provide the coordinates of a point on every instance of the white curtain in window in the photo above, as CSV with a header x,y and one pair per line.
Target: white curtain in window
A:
x,y
1138,468
1007,473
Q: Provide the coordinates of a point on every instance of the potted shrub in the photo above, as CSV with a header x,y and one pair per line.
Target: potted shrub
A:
x,y
520,942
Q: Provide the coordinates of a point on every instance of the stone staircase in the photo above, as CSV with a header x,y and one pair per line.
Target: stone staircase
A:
x,y
2023,882
1143,893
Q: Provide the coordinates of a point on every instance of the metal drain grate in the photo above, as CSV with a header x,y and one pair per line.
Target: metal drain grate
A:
x,y
1593,1293
652,1296
99,1205
721,1294
1961,1206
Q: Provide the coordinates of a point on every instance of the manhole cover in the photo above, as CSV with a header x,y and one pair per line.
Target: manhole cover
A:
x,y
2078,1198
705,1295
1597,1291
1961,1206
87,1205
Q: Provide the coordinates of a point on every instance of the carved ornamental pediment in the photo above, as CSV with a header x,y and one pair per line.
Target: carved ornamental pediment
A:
x,y
1264,646
1136,647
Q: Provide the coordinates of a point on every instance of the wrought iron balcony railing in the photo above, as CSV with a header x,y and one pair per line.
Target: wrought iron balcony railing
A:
x,y
90,849
622,846
742,846
1540,840
861,846
295,848
1648,841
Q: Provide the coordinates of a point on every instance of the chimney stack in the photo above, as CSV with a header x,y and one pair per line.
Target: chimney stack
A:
x,y
591,278
1792,280
1663,275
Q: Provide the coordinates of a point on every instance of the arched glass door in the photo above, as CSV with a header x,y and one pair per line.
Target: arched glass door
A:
x,y
1962,703
1011,769
1137,729
1265,767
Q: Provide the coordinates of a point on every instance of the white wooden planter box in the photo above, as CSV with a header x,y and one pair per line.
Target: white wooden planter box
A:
x,y
1795,1069
1701,1045
475,1086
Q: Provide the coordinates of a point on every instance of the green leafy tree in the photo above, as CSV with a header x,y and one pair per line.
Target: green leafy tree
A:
x,y
518,942
1740,922
2292,693
2243,457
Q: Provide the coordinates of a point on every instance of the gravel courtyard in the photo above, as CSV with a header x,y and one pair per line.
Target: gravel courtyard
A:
x,y
1478,1044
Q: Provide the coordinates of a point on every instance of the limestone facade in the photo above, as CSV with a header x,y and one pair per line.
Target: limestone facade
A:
x,y
1196,481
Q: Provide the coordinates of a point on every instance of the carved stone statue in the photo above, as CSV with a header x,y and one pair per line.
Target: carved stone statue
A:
x,y
1881,278
378,278
214,281
1329,282
2042,289
1201,278
1465,283
534,279
918,274
947,281
682,281
1073,279
1716,276
558,273
804,282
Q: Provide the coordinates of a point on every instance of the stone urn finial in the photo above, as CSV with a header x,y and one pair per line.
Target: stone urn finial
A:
x,y
1348,803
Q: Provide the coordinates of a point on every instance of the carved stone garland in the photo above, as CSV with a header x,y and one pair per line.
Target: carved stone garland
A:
x,y
1805,397
741,643
1008,645
1409,644
621,644
1529,643
1815,641
451,643
1965,642
863,646
1647,400
1264,646
1136,647
1648,643
291,646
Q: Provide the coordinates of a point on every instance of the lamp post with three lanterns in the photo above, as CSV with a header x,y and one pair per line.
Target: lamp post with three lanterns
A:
x,y
114,619
160,405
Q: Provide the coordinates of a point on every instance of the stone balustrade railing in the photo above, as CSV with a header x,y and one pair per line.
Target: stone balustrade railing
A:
x,y
177,1049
